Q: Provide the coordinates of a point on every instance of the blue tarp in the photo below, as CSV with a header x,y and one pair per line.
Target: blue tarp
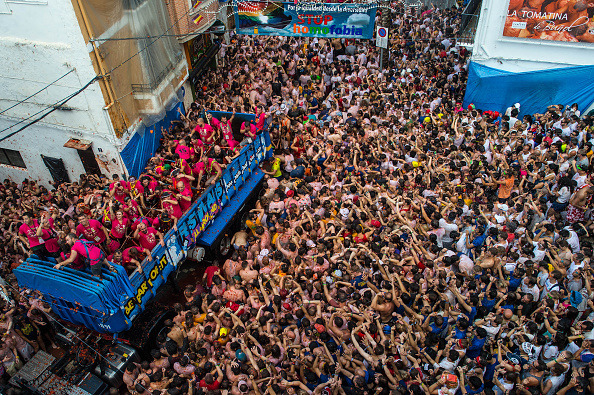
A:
x,y
78,296
495,90
142,146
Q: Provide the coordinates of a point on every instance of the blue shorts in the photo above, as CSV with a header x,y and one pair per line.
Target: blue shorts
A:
x,y
559,207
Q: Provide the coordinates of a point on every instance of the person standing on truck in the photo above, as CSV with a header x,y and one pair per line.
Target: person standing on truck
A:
x,y
92,230
148,237
130,258
28,235
205,131
210,167
83,254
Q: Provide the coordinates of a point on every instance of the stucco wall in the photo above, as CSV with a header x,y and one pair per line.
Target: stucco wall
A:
x,y
38,44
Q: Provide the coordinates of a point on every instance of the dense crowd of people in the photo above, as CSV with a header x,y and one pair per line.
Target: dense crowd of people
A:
x,y
403,244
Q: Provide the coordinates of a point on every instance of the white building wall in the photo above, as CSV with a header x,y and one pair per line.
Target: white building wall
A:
x,y
492,49
38,44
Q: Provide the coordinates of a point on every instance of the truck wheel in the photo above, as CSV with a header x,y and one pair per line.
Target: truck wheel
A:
x,y
224,246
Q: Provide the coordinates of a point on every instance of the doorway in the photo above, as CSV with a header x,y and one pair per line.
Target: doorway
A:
x,y
87,157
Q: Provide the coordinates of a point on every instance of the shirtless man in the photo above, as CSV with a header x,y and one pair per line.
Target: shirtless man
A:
x,y
130,376
239,239
176,333
578,203
247,274
231,266
383,304
264,237
488,259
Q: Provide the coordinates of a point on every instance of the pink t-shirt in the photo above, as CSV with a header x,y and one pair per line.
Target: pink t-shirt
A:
x,y
260,121
198,167
184,151
232,143
205,132
31,233
227,132
174,210
149,239
126,254
252,131
132,207
93,232
51,242
185,204
197,145
120,195
210,168
89,251
151,186
118,228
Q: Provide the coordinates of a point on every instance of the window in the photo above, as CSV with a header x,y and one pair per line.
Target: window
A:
x,y
12,158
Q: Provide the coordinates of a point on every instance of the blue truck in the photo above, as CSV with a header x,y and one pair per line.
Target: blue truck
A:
x,y
110,305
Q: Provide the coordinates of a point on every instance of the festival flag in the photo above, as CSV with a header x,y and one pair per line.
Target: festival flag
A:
x,y
198,19
196,4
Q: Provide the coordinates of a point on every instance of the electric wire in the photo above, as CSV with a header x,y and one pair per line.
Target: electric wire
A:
x,y
56,105
53,108
36,93
63,101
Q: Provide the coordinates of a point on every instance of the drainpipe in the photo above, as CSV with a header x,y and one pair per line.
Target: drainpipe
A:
x,y
106,78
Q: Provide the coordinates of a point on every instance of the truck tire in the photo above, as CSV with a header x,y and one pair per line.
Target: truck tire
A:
x,y
224,246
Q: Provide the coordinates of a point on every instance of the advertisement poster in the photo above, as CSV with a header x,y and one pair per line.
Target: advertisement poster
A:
x,y
557,20
332,20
